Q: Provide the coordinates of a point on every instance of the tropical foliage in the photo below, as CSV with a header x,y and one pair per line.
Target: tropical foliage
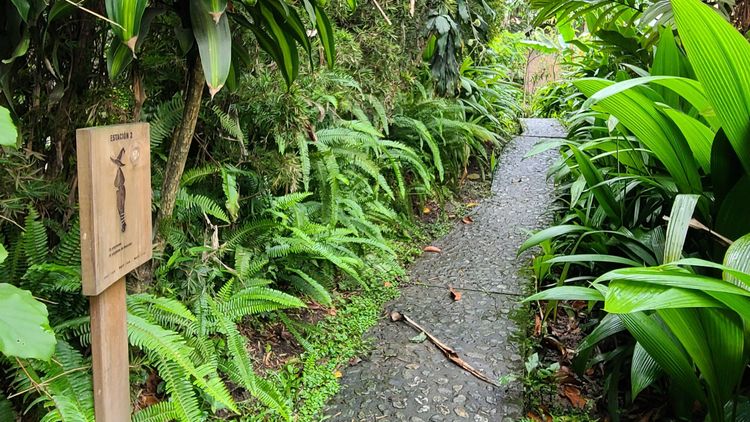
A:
x,y
654,180
285,193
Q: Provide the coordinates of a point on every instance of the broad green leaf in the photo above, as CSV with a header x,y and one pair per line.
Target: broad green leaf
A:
x,y
698,136
126,15
24,328
291,23
714,346
8,132
119,57
644,370
679,221
725,339
589,258
3,253
601,190
740,275
567,293
550,233
720,57
661,346
20,49
672,278
640,115
689,89
231,192
629,296
737,257
668,62
22,6
214,44
608,326
326,35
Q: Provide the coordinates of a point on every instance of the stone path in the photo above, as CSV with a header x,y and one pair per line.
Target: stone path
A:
x,y
406,381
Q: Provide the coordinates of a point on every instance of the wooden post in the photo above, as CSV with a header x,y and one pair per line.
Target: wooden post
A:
x,y
114,190
109,349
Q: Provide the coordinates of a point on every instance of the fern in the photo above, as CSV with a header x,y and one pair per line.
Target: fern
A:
x,y
196,174
230,124
255,300
169,346
424,135
240,367
34,239
254,228
310,286
203,203
163,311
168,115
304,155
68,251
165,411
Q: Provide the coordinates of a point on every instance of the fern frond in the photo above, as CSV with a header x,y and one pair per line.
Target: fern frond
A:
x,y
201,202
68,251
34,239
168,346
161,310
181,393
310,286
240,368
230,124
197,174
285,202
254,300
168,115
255,228
165,411
304,156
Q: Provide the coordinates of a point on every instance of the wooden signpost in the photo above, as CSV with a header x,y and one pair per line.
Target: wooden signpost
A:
x,y
114,190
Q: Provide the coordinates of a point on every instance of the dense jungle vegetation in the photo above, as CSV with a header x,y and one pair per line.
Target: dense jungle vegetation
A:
x,y
293,147
643,298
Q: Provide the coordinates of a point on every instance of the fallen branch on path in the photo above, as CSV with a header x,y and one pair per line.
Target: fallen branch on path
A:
x,y
451,354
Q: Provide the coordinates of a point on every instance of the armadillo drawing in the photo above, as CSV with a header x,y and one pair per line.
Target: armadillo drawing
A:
x,y
120,185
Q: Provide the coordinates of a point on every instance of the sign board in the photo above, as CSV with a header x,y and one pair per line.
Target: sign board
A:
x,y
114,188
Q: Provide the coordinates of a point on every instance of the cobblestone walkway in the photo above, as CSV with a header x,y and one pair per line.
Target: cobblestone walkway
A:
x,y
406,381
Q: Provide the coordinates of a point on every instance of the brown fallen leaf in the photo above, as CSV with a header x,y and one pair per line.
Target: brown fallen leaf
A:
x,y
578,304
387,284
431,248
537,325
534,417
455,294
574,395
467,220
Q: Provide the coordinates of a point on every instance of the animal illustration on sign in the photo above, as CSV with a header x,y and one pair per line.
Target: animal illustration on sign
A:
x,y
120,185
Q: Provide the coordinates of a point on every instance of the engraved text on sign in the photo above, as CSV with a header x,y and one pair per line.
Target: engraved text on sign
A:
x,y
114,177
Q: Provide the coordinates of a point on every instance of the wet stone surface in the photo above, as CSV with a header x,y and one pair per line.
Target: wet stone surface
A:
x,y
405,381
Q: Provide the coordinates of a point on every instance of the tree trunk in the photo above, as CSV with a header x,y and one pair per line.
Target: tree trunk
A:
x,y
178,152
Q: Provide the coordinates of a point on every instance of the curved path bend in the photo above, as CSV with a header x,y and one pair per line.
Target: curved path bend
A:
x,y
406,381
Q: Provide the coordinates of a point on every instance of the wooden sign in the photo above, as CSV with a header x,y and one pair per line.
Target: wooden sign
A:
x,y
114,188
